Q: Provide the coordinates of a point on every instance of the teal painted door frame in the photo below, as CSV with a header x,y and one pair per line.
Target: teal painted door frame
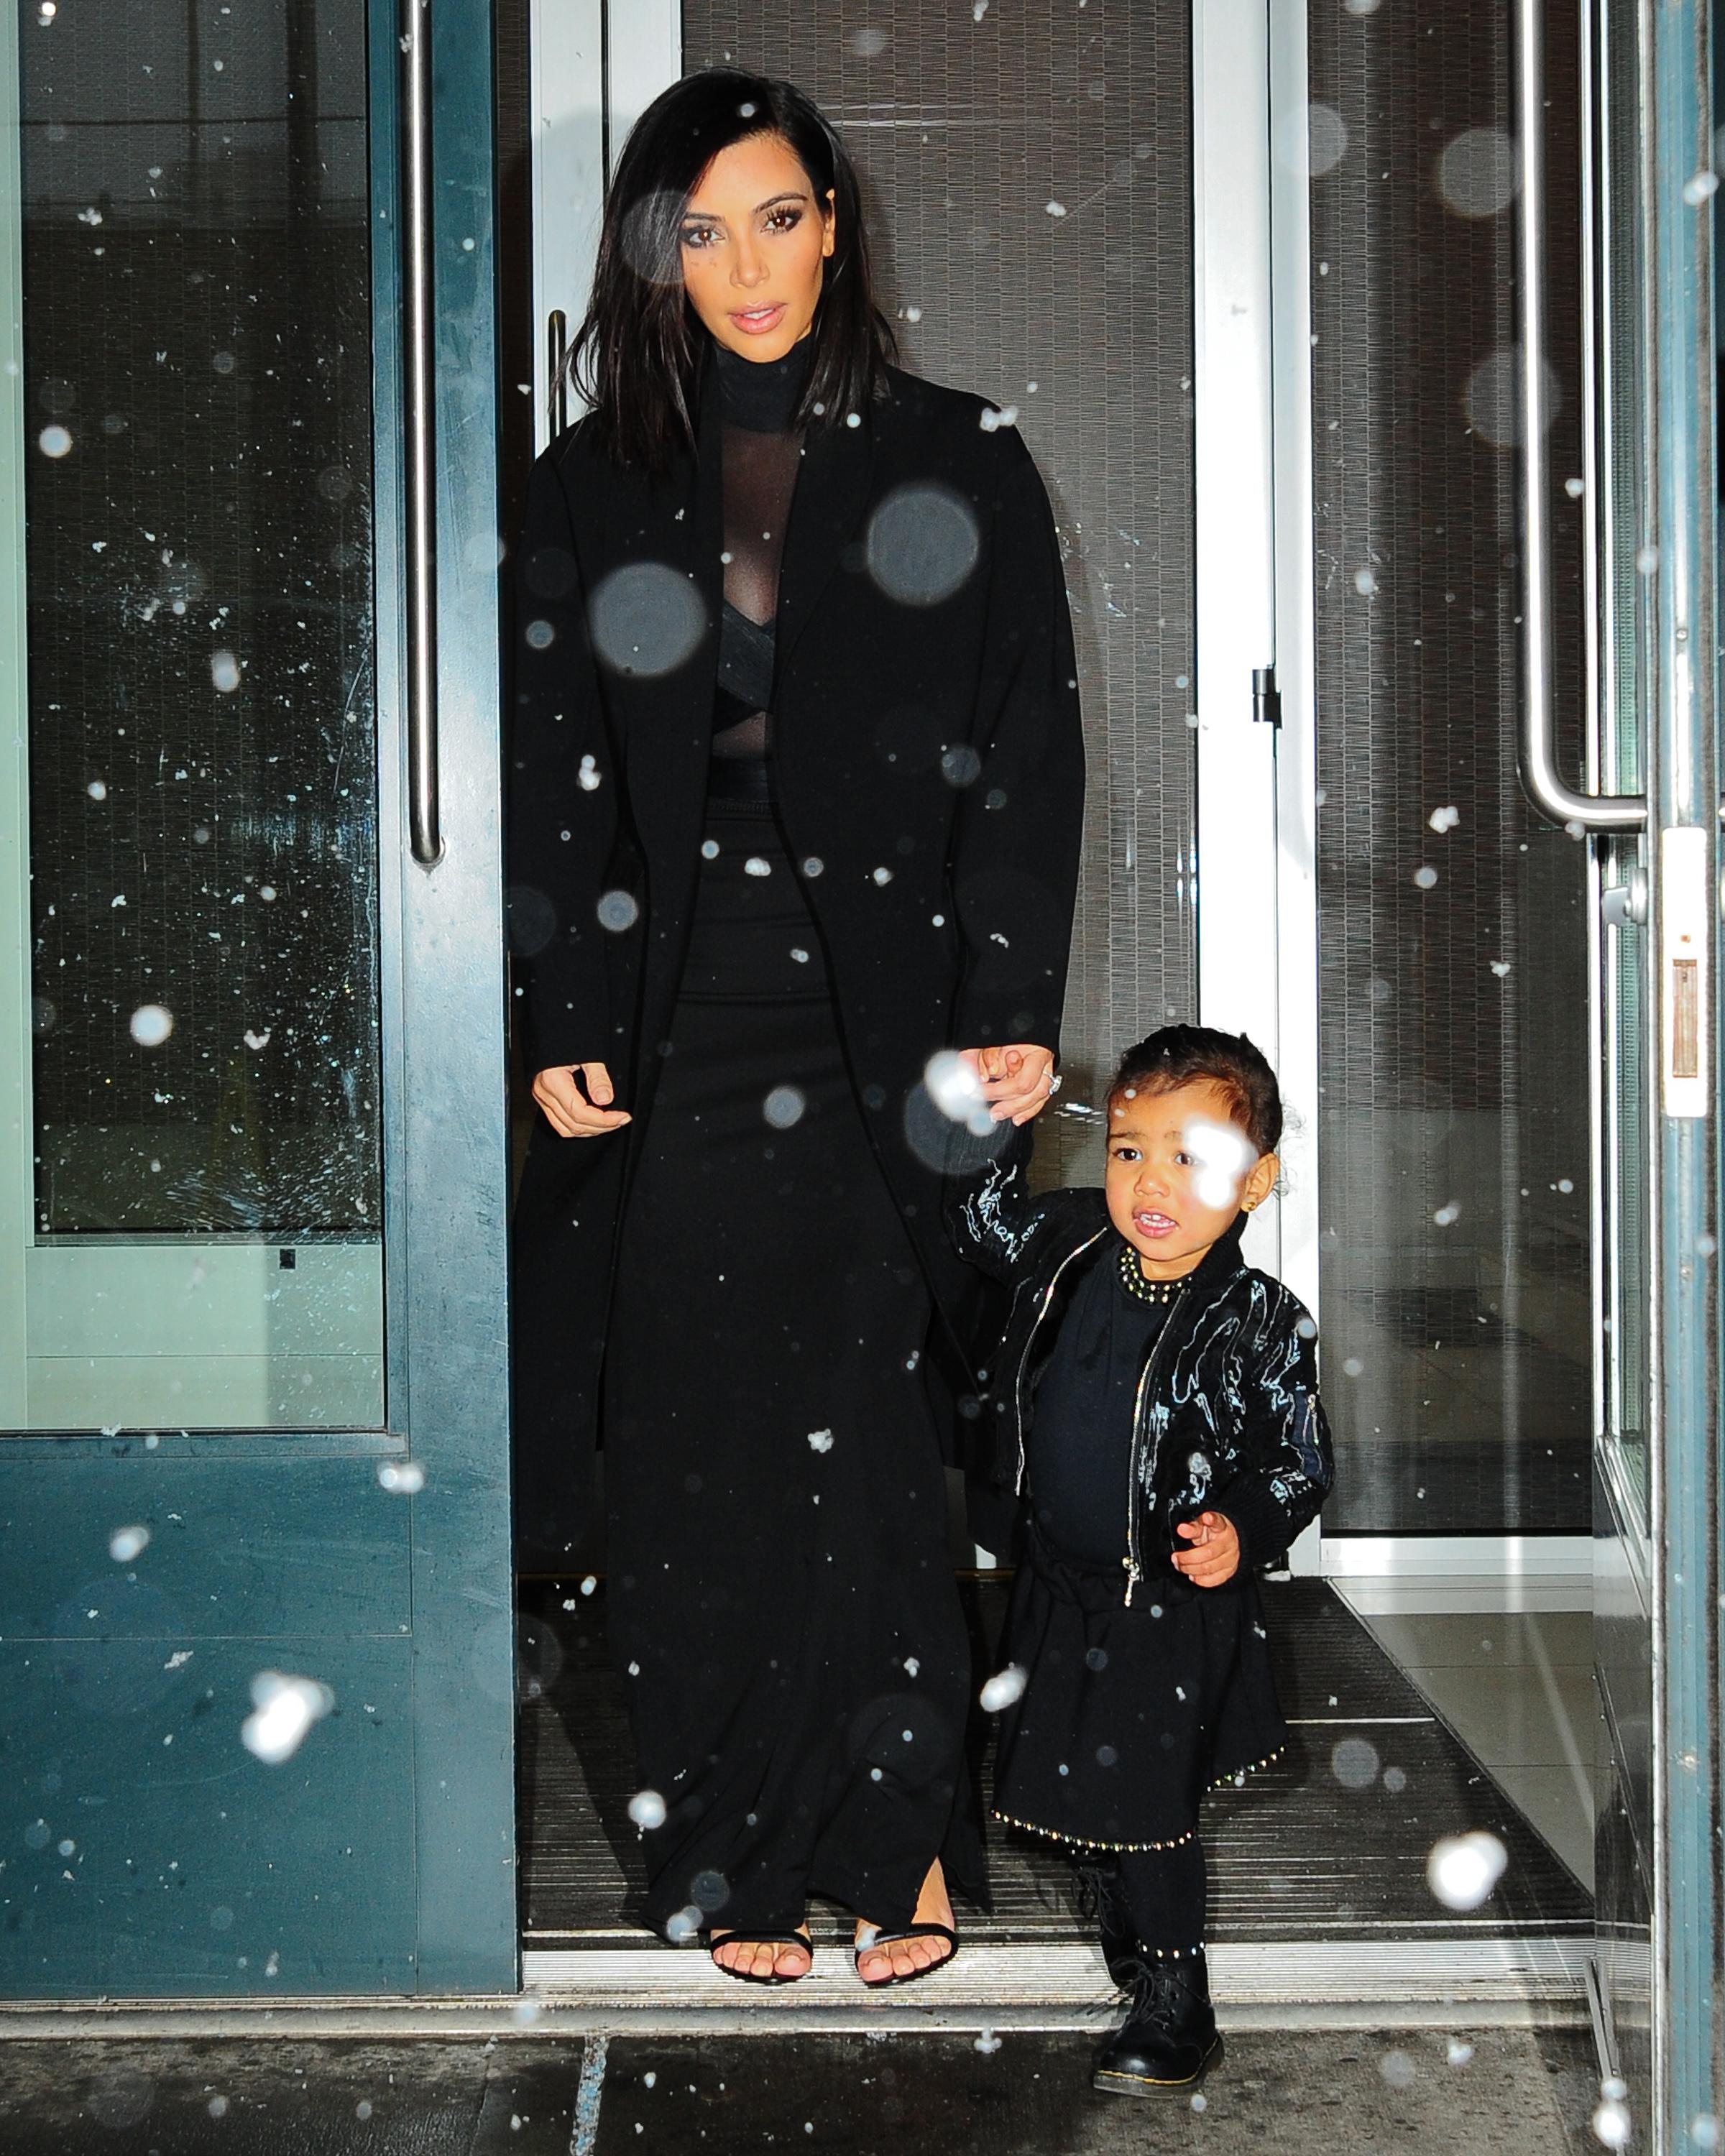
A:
x,y
145,1852
1684,797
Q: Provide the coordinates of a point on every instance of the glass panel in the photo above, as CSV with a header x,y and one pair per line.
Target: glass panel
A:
x,y
1627,641
1626,1226
194,1225
1030,194
1453,941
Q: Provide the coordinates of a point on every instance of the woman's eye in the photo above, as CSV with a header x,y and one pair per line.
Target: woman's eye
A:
x,y
697,235
783,220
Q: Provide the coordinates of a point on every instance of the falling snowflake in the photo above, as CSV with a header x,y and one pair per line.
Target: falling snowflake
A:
x,y
151,1024
1463,1868
284,1708
1002,1688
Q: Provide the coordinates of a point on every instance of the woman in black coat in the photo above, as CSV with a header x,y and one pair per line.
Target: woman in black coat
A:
x,y
795,804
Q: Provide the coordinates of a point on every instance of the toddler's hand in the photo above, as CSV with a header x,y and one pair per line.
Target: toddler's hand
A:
x,y
1214,1556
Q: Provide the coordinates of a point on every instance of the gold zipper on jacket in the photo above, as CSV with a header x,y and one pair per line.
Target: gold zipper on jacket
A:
x,y
1030,1337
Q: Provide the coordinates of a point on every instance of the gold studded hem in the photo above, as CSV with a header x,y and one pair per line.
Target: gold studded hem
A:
x,y
1236,1779
1089,1841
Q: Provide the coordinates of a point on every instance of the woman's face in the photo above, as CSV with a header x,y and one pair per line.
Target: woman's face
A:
x,y
753,239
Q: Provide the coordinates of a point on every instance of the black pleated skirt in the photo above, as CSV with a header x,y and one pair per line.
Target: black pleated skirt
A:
x,y
1129,1712
781,1602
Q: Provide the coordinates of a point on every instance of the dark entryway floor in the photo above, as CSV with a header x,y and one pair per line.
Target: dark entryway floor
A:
x,y
1518,2092
1330,1843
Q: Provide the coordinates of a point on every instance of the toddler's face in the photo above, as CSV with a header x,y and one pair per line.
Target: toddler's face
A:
x,y
1179,1169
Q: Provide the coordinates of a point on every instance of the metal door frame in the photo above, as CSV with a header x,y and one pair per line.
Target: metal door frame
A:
x,y
1680,814
445,1088
1683,809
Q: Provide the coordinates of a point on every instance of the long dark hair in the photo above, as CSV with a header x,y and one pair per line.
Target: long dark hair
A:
x,y
636,357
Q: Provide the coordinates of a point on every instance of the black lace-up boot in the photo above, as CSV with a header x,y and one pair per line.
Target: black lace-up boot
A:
x,y
1099,1898
1168,2041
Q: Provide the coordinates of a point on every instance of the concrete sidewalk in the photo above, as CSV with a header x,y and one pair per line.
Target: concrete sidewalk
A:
x,y
1512,2091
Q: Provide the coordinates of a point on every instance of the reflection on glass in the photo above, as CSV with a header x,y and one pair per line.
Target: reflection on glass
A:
x,y
1453,938
1627,1210
200,1040
1627,643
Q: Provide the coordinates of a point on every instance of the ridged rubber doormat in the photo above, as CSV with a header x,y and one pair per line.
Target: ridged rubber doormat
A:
x,y
1330,1842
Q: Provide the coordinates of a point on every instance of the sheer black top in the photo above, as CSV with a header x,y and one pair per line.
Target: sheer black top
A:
x,y
760,453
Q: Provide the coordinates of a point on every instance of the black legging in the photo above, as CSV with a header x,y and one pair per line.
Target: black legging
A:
x,y
1164,1890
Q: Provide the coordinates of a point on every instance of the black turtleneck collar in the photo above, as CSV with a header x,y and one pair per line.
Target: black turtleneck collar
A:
x,y
763,394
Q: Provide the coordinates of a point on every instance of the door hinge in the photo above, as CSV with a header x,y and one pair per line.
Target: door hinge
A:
x,y
1266,697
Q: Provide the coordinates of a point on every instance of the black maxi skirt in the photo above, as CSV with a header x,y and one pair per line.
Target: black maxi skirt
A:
x,y
782,1601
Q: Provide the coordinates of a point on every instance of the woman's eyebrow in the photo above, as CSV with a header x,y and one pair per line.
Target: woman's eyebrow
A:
x,y
711,217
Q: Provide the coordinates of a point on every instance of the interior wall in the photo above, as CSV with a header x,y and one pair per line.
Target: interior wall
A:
x,y
1027,178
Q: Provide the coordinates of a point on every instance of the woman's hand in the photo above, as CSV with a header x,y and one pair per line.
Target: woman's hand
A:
x,y
1017,1082
1213,1558
573,1113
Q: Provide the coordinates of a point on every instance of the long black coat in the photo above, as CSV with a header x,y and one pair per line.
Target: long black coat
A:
x,y
928,772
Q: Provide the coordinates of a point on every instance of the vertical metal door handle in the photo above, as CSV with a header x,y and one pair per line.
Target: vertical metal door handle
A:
x,y
1536,758
556,340
419,413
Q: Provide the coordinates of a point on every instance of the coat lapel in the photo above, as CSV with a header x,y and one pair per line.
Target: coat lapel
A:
x,y
669,721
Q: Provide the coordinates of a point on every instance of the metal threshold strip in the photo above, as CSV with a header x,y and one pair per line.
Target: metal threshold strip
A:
x,y
1365,1984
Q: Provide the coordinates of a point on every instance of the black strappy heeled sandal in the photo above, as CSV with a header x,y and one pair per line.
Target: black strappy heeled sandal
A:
x,y
884,1942
716,1939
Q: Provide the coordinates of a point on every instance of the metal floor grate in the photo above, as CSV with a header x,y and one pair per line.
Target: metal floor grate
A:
x,y
1328,1845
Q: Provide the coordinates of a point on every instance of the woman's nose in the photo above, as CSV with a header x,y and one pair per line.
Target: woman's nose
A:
x,y
746,267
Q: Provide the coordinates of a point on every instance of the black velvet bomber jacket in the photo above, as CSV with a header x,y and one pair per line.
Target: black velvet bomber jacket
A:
x,y
1227,1416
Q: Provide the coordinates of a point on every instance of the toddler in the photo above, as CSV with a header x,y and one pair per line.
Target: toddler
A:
x,y
1158,1400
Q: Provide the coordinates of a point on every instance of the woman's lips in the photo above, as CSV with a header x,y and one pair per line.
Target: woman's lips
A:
x,y
759,320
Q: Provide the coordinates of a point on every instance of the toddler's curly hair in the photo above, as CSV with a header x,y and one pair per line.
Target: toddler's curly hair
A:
x,y
1175,1055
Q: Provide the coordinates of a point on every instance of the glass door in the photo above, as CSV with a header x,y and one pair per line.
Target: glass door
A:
x,y
252,1471
1452,930
1620,645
